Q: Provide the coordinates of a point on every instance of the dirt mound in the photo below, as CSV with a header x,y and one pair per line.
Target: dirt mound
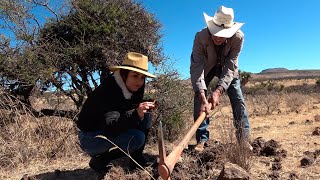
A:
x,y
269,148
200,165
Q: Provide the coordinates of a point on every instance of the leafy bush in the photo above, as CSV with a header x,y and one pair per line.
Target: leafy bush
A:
x,y
175,98
244,77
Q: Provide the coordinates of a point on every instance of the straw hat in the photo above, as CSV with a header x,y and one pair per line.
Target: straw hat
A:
x,y
221,24
134,62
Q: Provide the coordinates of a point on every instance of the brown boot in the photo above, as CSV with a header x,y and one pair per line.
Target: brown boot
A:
x,y
200,147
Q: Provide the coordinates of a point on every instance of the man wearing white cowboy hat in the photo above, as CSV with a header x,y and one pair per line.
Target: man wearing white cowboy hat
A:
x,y
115,109
215,54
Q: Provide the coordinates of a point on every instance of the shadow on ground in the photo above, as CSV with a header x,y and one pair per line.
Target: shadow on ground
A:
x,y
119,170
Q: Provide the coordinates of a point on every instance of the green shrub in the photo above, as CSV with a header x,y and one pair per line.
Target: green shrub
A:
x,y
264,88
175,99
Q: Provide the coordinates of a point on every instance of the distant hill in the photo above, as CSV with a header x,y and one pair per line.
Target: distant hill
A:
x,y
274,70
283,73
278,74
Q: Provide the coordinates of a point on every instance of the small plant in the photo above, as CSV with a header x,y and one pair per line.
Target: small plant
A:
x,y
234,151
318,81
265,104
295,101
244,77
265,88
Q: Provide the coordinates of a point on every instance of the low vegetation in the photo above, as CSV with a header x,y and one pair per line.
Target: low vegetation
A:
x,y
27,139
70,54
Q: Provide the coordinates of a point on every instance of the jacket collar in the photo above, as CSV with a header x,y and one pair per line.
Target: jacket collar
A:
x,y
126,93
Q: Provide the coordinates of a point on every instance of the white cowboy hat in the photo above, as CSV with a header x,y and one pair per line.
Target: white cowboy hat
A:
x,y
221,24
134,62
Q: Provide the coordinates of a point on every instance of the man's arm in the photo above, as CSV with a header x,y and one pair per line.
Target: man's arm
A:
x,y
197,65
231,62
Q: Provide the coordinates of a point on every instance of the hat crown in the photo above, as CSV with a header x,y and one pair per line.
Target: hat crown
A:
x,y
136,60
224,17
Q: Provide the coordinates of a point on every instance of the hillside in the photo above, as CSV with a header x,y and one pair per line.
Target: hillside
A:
x,y
282,73
277,74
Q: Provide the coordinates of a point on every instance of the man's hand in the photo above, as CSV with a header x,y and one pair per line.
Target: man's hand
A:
x,y
215,97
143,107
204,103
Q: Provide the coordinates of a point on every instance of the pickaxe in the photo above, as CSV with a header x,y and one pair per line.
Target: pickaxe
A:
x,y
166,163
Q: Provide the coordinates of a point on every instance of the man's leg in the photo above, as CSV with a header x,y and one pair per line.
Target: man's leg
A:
x,y
240,115
202,134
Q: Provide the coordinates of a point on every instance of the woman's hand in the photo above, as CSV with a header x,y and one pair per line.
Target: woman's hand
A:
x,y
143,107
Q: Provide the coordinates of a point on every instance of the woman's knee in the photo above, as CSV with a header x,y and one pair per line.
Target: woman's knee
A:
x,y
138,138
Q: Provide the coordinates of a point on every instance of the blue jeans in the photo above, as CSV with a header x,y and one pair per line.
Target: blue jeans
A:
x,y
240,115
129,141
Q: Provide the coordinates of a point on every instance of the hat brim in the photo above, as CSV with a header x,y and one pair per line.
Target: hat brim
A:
x,y
115,68
220,31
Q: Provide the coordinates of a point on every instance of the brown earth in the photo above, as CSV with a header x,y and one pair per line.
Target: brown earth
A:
x,y
288,135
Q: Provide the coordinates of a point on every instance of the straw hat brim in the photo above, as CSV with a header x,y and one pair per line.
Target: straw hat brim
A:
x,y
220,31
115,68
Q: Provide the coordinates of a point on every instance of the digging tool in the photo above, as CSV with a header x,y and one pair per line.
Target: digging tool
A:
x,y
166,163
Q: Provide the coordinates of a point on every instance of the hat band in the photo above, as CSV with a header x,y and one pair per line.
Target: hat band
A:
x,y
222,25
136,67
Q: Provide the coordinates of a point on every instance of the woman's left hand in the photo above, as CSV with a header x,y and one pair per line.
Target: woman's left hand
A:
x,y
143,107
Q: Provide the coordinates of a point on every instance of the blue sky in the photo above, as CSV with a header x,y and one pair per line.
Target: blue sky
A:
x,y
278,33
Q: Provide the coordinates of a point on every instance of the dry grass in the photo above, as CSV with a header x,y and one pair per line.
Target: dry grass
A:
x,y
233,151
41,146
290,128
28,138
25,139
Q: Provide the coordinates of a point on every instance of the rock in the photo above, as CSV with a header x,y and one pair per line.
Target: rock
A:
x,y
293,176
276,166
317,153
292,122
258,145
316,131
317,118
270,148
307,161
310,154
308,121
233,172
274,175
277,159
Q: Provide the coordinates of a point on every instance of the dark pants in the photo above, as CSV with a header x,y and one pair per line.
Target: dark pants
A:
x,y
129,141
